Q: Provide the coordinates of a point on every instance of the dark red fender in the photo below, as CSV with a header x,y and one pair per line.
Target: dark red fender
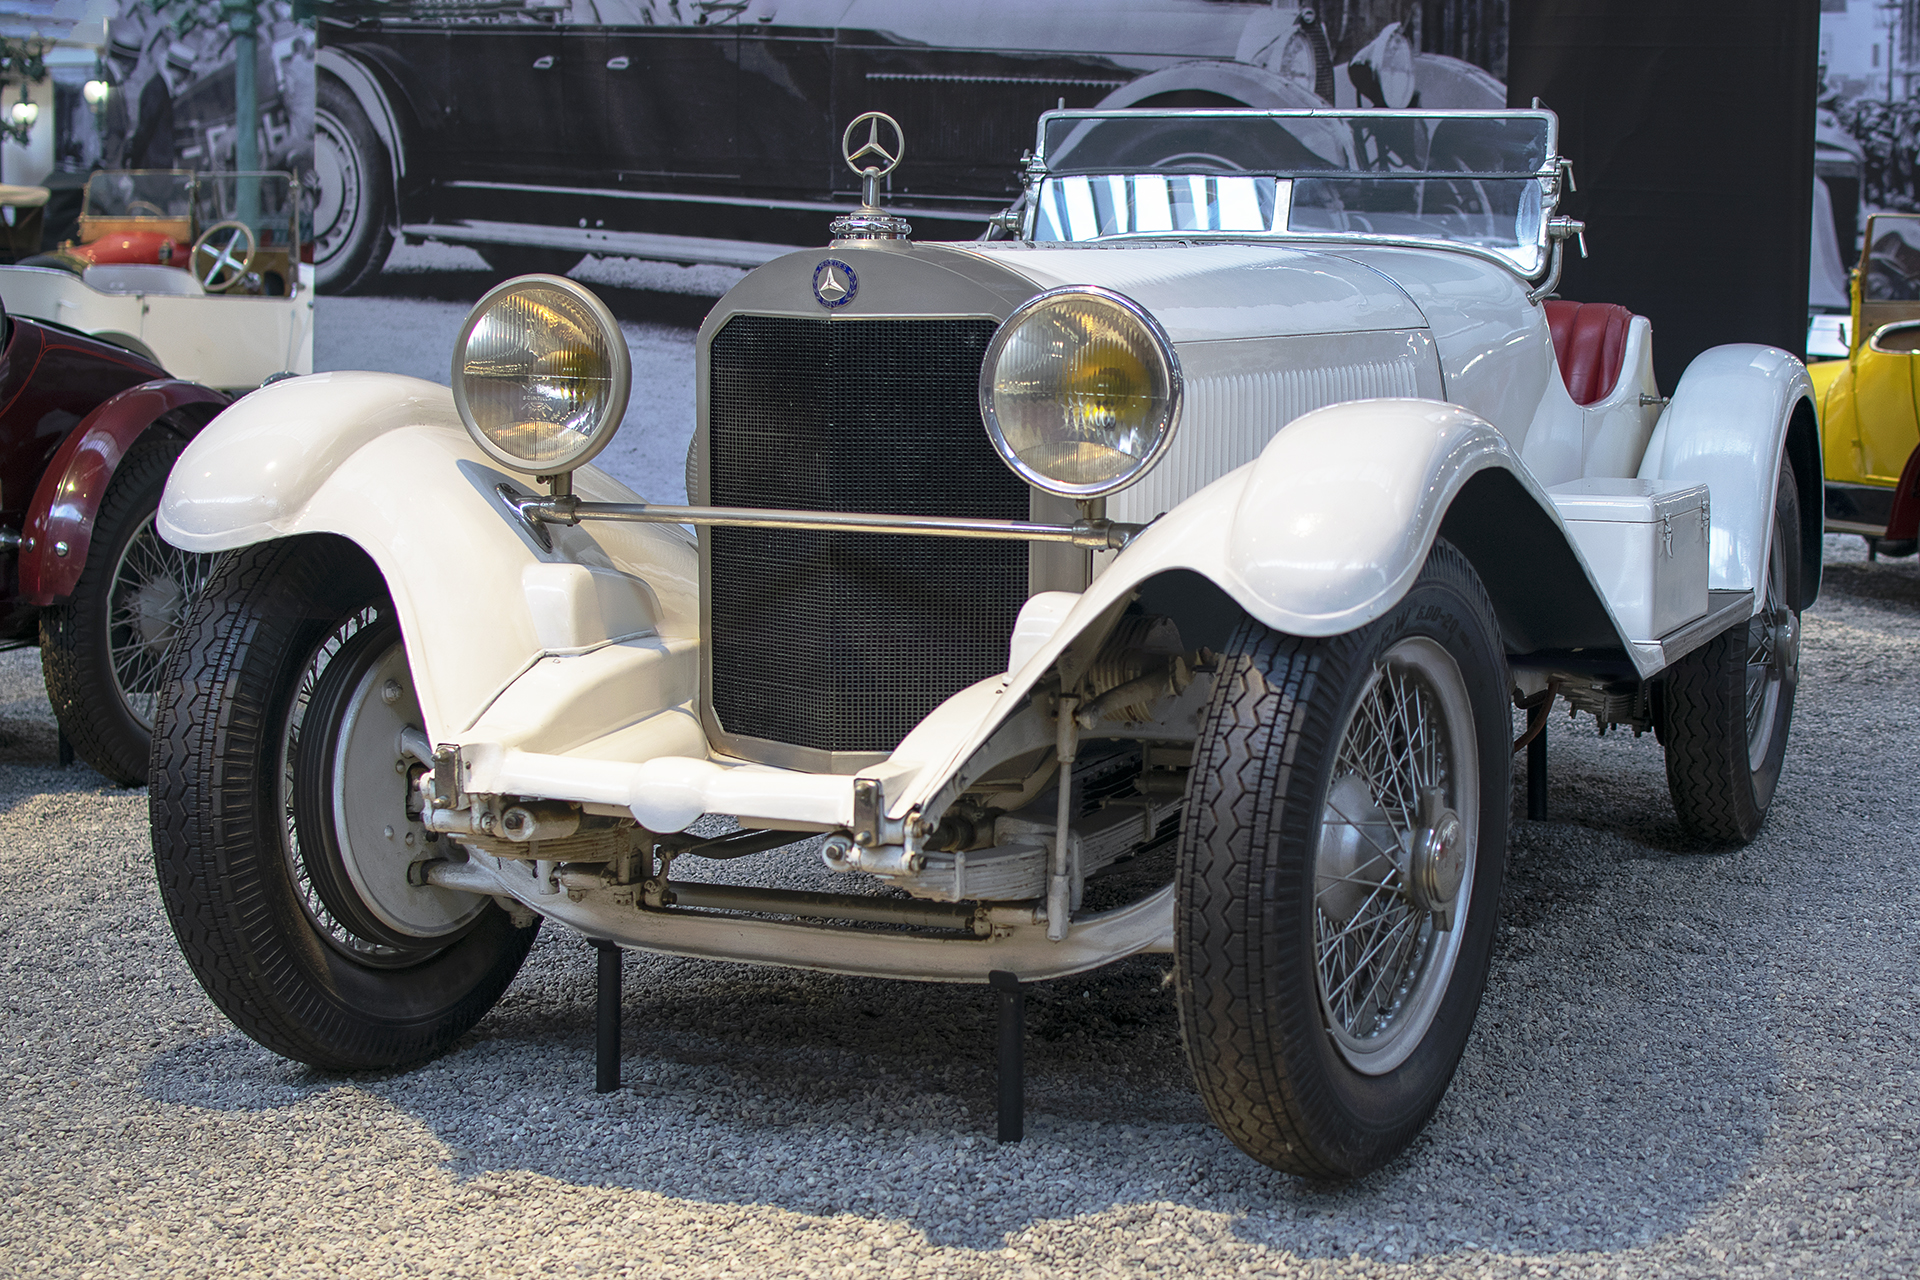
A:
x,y
1904,520
70,491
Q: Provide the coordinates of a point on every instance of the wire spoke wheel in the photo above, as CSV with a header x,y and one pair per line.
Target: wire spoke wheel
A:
x,y
347,833
1382,953
1340,869
103,650
1726,707
1773,657
329,926
153,583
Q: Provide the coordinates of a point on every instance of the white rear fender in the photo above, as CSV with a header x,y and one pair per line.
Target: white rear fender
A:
x,y
384,462
1731,420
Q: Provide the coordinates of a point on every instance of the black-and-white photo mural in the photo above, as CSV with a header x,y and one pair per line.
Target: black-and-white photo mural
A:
x,y
539,131
175,87
1866,144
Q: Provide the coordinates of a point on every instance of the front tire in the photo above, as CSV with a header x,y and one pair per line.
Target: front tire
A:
x,y
102,651
1340,872
280,829
1727,706
353,211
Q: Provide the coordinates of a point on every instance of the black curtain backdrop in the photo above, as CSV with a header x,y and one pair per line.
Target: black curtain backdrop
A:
x,y
1690,128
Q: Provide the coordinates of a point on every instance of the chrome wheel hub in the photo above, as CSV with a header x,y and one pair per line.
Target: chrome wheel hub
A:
x,y
1393,866
1437,863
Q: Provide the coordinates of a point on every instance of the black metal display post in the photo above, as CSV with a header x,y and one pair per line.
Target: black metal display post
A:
x,y
1012,999
606,1022
1537,776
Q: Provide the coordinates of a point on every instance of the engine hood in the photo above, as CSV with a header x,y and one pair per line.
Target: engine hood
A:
x,y
1199,293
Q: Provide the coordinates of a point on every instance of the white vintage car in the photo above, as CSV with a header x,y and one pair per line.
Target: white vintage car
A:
x,y
198,272
1160,578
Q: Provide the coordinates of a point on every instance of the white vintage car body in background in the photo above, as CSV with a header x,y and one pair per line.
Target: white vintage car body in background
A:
x,y
226,308
1293,494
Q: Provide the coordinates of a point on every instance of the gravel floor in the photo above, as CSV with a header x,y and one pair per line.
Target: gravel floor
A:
x,y
1686,1064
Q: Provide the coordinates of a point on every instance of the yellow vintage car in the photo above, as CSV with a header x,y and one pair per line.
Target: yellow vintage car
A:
x,y
1869,416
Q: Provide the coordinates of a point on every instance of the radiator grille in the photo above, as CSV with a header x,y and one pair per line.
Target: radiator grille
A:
x,y
844,641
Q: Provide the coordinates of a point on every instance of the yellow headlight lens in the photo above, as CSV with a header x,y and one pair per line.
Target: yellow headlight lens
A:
x,y
1080,392
541,374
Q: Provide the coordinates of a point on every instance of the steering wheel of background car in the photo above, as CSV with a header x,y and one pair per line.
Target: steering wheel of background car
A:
x,y
146,209
223,255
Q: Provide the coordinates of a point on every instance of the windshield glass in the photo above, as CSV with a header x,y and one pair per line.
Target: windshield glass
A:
x,y
1463,177
139,193
264,201
1892,259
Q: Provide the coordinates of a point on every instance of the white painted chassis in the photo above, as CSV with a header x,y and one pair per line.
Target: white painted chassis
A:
x,y
572,674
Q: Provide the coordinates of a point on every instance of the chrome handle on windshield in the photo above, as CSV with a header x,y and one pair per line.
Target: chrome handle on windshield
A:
x,y
1559,231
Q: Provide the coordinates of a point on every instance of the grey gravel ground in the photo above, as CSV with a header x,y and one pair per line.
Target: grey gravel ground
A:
x,y
1687,1063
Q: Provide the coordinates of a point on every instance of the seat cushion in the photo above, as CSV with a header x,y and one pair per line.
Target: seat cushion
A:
x,y
1590,342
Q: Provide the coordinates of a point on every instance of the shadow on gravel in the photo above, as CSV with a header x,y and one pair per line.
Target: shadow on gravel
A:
x,y
1622,1078
1886,581
645,306
1602,1102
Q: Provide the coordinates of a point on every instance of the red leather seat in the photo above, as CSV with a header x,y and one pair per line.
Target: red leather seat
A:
x,y
1590,341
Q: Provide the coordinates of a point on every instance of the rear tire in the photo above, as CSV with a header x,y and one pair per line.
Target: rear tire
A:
x,y
353,208
1340,869
102,652
295,914
1727,706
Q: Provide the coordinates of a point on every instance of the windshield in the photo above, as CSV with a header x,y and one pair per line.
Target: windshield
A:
x,y
265,201
1475,178
1892,259
139,193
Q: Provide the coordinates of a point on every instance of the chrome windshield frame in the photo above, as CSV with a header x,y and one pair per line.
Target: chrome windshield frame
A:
x,y
1553,176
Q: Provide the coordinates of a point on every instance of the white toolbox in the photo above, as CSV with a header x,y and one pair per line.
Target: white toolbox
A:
x,y
1646,543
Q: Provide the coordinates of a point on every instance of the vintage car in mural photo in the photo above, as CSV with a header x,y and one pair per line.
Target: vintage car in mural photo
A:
x,y
200,273
1869,422
1161,577
703,131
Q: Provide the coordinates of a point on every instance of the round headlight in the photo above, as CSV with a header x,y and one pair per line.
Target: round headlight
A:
x,y
541,374
1080,391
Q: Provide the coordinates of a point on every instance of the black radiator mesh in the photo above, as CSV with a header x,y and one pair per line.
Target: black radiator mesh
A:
x,y
844,641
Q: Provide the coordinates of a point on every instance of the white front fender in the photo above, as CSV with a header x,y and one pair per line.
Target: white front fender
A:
x,y
385,462
1336,516
1320,535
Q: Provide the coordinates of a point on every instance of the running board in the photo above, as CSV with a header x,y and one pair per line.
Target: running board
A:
x,y
626,244
1724,609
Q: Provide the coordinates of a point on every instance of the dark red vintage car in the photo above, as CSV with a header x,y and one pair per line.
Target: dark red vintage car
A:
x,y
88,433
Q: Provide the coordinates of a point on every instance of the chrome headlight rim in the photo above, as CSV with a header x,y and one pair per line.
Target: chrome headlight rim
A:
x,y
1161,348
620,362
